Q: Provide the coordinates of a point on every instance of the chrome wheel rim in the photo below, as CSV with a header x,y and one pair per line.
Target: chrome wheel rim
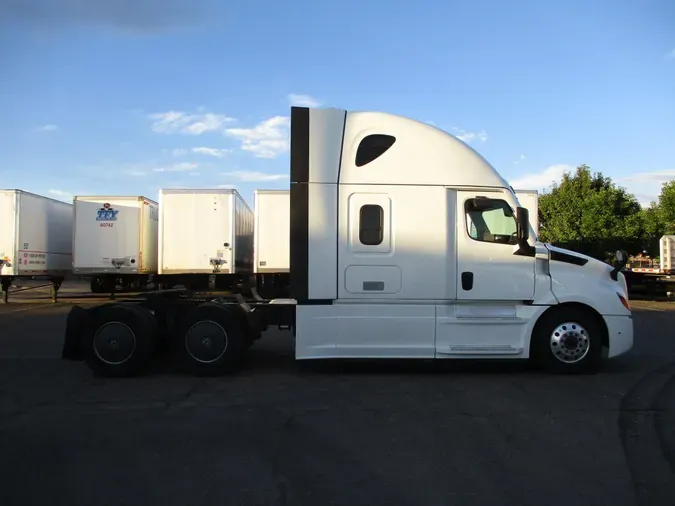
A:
x,y
206,341
570,342
114,343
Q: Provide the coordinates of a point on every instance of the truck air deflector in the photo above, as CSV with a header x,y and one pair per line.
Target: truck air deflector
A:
x,y
299,202
299,145
299,247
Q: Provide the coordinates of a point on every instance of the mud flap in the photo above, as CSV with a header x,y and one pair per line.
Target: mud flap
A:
x,y
77,320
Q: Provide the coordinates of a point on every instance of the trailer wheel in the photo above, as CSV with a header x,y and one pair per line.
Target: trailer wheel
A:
x,y
568,340
120,340
210,340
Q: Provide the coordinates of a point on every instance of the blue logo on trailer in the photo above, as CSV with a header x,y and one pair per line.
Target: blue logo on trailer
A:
x,y
106,213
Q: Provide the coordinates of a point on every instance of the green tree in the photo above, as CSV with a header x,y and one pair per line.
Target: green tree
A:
x,y
588,213
666,207
653,227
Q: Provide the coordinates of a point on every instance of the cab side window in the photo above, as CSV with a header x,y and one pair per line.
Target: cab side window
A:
x,y
490,220
371,225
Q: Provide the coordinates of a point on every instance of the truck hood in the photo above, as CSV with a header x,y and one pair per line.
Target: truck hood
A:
x,y
564,262
576,258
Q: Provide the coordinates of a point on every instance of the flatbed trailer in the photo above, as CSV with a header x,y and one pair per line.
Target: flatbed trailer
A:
x,y
649,282
389,258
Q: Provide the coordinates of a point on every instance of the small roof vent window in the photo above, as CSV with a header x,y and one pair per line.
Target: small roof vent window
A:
x,y
372,147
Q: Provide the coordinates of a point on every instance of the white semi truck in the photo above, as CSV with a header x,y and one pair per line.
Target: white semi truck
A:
x,y
390,257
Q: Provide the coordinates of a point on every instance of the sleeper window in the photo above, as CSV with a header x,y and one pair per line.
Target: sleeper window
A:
x,y
372,147
490,220
371,225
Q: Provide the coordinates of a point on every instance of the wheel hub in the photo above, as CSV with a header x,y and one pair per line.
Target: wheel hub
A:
x,y
206,341
114,343
569,342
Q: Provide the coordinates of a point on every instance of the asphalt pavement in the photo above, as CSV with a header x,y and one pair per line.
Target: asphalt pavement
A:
x,y
275,434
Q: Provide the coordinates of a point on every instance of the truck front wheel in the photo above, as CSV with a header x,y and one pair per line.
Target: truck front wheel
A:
x,y
568,340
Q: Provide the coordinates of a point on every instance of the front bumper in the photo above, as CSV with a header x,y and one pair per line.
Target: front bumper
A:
x,y
620,331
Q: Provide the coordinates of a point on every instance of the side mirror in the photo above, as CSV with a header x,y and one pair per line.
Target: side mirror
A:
x,y
522,224
523,232
621,257
621,260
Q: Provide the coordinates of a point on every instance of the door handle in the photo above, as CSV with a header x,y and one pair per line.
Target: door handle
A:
x,y
467,281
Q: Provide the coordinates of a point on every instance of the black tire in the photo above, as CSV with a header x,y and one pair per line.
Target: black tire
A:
x,y
96,285
210,340
576,335
120,340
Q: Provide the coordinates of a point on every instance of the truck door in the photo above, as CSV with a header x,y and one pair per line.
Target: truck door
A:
x,y
488,267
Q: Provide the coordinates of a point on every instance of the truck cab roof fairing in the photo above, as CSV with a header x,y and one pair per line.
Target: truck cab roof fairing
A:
x,y
420,155
325,142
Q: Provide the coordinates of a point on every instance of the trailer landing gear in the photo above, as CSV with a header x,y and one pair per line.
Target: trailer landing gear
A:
x,y
56,284
5,284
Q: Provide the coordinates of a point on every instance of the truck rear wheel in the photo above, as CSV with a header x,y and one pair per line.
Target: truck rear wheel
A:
x,y
568,341
120,340
210,340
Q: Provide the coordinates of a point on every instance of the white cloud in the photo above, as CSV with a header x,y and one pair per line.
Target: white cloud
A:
x,y
193,174
215,152
646,186
300,100
61,195
218,153
469,137
520,159
177,167
130,16
47,128
541,180
659,176
136,173
172,122
250,176
228,186
268,139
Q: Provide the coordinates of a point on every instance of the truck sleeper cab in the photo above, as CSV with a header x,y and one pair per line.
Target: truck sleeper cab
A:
x,y
406,243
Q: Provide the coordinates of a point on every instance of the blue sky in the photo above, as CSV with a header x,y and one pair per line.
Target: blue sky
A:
x,y
126,97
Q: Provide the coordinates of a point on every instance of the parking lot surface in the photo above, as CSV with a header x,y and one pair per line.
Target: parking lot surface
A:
x,y
273,434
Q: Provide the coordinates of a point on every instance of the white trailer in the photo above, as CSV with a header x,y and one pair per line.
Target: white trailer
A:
x,y
667,253
529,199
272,231
35,237
115,240
204,231
389,258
